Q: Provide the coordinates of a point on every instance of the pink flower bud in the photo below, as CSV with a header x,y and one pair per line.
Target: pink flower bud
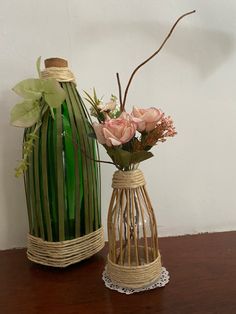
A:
x,y
148,118
115,132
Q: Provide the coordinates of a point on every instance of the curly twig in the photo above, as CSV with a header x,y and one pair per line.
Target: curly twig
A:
x,y
153,55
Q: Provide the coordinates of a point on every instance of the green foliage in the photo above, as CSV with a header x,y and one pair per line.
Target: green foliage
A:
x,y
40,95
27,149
120,157
29,89
26,113
35,92
94,102
124,159
52,92
142,155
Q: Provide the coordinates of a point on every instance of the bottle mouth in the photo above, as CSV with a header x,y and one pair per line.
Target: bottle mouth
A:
x,y
55,62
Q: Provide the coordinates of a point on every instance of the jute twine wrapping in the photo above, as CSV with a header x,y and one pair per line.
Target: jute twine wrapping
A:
x,y
132,265
61,74
65,253
128,179
134,276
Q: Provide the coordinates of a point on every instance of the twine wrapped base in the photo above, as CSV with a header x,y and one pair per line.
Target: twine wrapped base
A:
x,y
134,276
159,283
65,253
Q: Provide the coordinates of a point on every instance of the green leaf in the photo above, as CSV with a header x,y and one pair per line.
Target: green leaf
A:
x,y
139,156
52,113
54,94
89,99
25,114
95,96
119,156
29,89
38,62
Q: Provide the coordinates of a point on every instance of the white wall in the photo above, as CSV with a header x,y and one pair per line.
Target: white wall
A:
x,y
192,178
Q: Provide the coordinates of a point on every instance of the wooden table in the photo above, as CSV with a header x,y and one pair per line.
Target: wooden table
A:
x,y
203,280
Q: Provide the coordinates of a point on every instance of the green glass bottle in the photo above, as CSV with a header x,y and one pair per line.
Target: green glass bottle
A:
x,y
62,182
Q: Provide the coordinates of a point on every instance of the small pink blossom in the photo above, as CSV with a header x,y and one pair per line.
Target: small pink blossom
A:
x,y
168,125
110,106
115,132
148,118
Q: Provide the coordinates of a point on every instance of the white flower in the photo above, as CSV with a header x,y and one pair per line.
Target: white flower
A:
x,y
110,106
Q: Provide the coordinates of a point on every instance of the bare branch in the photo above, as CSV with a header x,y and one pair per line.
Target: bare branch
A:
x,y
120,92
153,55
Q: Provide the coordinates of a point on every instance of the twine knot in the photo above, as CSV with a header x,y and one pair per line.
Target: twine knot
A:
x,y
128,179
61,74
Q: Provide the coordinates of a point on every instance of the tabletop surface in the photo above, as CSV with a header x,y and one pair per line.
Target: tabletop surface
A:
x,y
203,280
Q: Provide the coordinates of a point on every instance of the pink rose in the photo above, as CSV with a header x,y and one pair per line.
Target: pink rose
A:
x,y
115,131
148,118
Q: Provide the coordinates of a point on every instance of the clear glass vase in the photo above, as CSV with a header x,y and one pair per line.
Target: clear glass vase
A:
x,y
134,259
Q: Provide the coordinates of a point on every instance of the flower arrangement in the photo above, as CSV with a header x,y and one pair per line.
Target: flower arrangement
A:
x,y
129,137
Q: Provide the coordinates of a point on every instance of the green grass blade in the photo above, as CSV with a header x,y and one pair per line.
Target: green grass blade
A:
x,y
44,195
70,172
60,177
76,175
85,163
27,190
52,179
36,179
88,149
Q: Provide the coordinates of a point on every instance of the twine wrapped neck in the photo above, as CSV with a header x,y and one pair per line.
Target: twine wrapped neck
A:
x,y
61,74
128,179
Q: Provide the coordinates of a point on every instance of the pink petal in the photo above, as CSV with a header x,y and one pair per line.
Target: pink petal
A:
x,y
115,142
136,112
127,135
141,126
98,128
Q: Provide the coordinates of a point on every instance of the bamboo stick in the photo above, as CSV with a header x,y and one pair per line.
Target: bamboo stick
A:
x,y
150,215
121,227
154,219
135,232
144,226
118,194
128,225
109,221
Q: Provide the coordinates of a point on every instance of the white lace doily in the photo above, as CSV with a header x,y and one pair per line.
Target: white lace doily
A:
x,y
161,282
